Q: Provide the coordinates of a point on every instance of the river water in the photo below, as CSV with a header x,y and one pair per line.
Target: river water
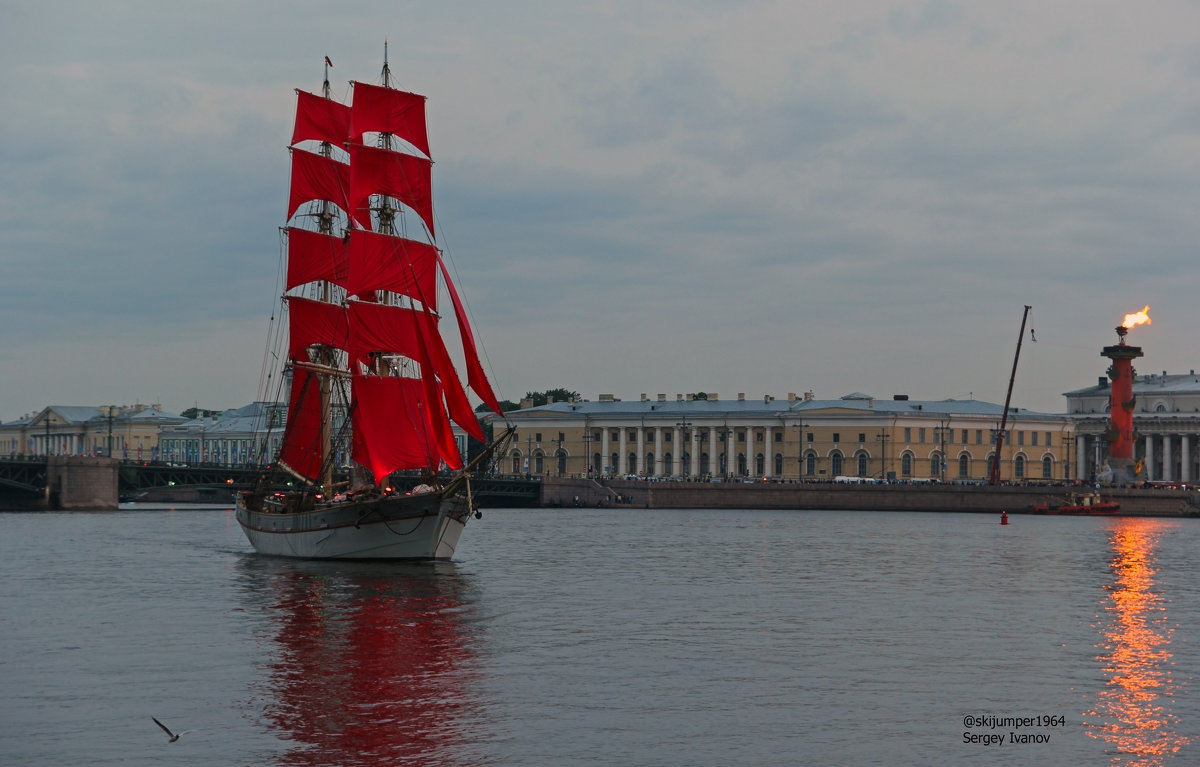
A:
x,y
603,637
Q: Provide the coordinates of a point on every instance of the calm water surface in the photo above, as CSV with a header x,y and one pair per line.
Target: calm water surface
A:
x,y
562,637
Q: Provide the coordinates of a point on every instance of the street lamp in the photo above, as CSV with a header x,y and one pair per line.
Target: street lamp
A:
x,y
883,439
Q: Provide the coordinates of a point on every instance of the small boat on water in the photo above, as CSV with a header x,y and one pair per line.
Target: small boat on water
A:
x,y
1080,504
367,377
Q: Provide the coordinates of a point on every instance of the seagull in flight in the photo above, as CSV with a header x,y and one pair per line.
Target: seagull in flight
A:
x,y
171,736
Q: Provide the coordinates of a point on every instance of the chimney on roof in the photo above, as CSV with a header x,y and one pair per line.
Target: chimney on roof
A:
x,y
644,397
606,398
662,398
713,396
808,395
791,396
741,396
900,397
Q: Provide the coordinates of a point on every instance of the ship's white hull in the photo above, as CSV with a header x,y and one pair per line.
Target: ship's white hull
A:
x,y
394,527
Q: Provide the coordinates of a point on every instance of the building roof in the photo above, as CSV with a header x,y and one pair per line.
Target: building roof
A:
x,y
1151,383
769,407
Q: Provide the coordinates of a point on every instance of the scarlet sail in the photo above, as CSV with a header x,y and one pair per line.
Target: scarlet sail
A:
x,y
364,301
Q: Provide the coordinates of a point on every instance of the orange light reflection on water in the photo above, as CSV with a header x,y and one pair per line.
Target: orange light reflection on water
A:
x,y
1134,711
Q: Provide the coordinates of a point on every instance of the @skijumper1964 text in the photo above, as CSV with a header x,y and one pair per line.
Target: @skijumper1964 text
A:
x,y
993,730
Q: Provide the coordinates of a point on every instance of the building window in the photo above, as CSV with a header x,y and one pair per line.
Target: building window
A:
x,y
921,435
935,465
810,463
907,435
1019,467
1020,438
1047,468
862,464
837,437
810,436
1033,435
906,465
778,464
964,436
978,437
537,437
964,466
741,436
1047,439
862,437
758,436
837,464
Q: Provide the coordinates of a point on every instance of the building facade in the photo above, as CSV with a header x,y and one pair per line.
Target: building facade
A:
x,y
117,431
797,439
1166,422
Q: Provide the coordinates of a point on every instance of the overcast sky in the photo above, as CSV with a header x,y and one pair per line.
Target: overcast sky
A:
x,y
662,197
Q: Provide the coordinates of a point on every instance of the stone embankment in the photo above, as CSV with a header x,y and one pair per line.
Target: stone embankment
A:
x,y
1014,499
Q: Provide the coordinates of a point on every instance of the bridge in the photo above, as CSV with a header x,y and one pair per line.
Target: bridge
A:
x,y
24,481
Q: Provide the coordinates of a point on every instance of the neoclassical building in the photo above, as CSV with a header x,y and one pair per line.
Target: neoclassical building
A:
x,y
124,431
1166,422
797,438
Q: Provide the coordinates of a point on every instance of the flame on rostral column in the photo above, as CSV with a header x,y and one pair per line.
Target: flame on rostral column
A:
x,y
1137,318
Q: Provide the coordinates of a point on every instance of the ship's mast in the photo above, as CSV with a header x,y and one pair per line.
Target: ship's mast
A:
x,y
995,477
326,355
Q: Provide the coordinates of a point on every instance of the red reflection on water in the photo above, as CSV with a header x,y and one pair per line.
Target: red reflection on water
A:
x,y
370,669
1134,711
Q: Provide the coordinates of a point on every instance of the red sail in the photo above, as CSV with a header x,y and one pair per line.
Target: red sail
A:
x,y
317,178
315,322
405,177
301,448
383,328
387,110
412,333
476,378
391,430
313,256
452,390
320,119
382,262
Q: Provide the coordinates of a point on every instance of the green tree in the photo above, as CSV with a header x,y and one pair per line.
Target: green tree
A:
x,y
551,395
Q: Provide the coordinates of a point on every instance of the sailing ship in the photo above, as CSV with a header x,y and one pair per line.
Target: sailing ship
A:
x,y
367,376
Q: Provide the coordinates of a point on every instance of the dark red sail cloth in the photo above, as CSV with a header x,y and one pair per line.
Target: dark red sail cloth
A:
x,y
320,119
315,177
412,333
392,427
406,177
383,262
301,449
315,322
387,110
314,256
476,378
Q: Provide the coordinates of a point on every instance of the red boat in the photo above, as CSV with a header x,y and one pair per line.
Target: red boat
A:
x,y
1080,504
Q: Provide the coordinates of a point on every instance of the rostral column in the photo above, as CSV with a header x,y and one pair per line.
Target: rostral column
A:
x,y
1120,406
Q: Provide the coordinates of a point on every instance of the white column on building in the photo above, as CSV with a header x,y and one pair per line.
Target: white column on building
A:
x,y
1168,472
694,449
1149,463
1185,457
730,458
623,455
659,465
1080,455
768,452
677,452
640,463
605,452
713,449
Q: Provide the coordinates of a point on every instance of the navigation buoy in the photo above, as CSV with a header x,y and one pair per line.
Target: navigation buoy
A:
x,y
1004,517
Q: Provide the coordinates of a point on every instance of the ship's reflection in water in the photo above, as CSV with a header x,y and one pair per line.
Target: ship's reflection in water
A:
x,y
1134,713
371,662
